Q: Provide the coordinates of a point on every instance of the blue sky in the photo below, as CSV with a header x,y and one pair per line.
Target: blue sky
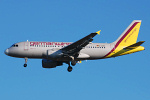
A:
x,y
121,78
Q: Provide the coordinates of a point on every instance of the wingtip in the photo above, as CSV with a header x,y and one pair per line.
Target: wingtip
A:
x,y
98,32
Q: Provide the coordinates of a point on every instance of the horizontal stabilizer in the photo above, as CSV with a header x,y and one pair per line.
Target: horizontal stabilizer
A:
x,y
130,49
133,46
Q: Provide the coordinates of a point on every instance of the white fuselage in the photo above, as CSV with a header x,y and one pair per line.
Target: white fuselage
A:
x,y
41,50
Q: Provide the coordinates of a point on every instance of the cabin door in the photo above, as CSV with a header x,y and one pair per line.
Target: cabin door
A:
x,y
26,46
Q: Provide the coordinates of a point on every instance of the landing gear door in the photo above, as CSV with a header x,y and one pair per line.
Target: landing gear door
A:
x,y
26,46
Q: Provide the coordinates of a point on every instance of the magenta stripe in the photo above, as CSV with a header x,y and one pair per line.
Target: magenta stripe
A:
x,y
122,38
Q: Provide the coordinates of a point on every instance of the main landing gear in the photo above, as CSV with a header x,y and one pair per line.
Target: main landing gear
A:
x,y
69,68
73,63
26,59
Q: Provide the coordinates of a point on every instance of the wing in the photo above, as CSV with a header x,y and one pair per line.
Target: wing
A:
x,y
74,48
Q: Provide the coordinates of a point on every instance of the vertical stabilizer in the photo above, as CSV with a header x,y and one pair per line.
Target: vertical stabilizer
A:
x,y
130,35
127,38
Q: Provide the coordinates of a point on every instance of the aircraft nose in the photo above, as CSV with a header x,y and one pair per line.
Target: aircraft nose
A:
x,y
6,51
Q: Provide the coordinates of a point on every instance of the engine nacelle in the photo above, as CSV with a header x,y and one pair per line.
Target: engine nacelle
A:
x,y
50,63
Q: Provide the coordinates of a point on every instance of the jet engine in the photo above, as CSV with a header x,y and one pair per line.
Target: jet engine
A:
x,y
50,63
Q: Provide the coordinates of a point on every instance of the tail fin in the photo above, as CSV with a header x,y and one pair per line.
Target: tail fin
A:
x,y
130,35
127,40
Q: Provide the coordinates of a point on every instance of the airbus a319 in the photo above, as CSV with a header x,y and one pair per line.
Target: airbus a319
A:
x,y
56,53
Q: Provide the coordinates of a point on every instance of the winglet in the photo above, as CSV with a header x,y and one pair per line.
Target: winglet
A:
x,y
98,32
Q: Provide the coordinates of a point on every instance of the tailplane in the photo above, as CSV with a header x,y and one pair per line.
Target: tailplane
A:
x,y
130,49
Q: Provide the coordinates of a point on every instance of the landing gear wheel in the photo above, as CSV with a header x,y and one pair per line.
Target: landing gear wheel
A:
x,y
73,62
25,65
69,69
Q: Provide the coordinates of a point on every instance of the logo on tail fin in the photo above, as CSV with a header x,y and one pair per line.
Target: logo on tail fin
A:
x,y
127,38
130,35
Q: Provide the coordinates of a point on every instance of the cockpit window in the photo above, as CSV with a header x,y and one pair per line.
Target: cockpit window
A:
x,y
14,45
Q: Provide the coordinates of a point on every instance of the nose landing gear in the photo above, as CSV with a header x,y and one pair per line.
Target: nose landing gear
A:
x,y
26,59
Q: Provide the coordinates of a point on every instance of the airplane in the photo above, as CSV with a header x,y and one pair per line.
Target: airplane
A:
x,y
57,53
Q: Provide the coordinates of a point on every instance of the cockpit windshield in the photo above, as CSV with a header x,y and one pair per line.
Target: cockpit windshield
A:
x,y
14,45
